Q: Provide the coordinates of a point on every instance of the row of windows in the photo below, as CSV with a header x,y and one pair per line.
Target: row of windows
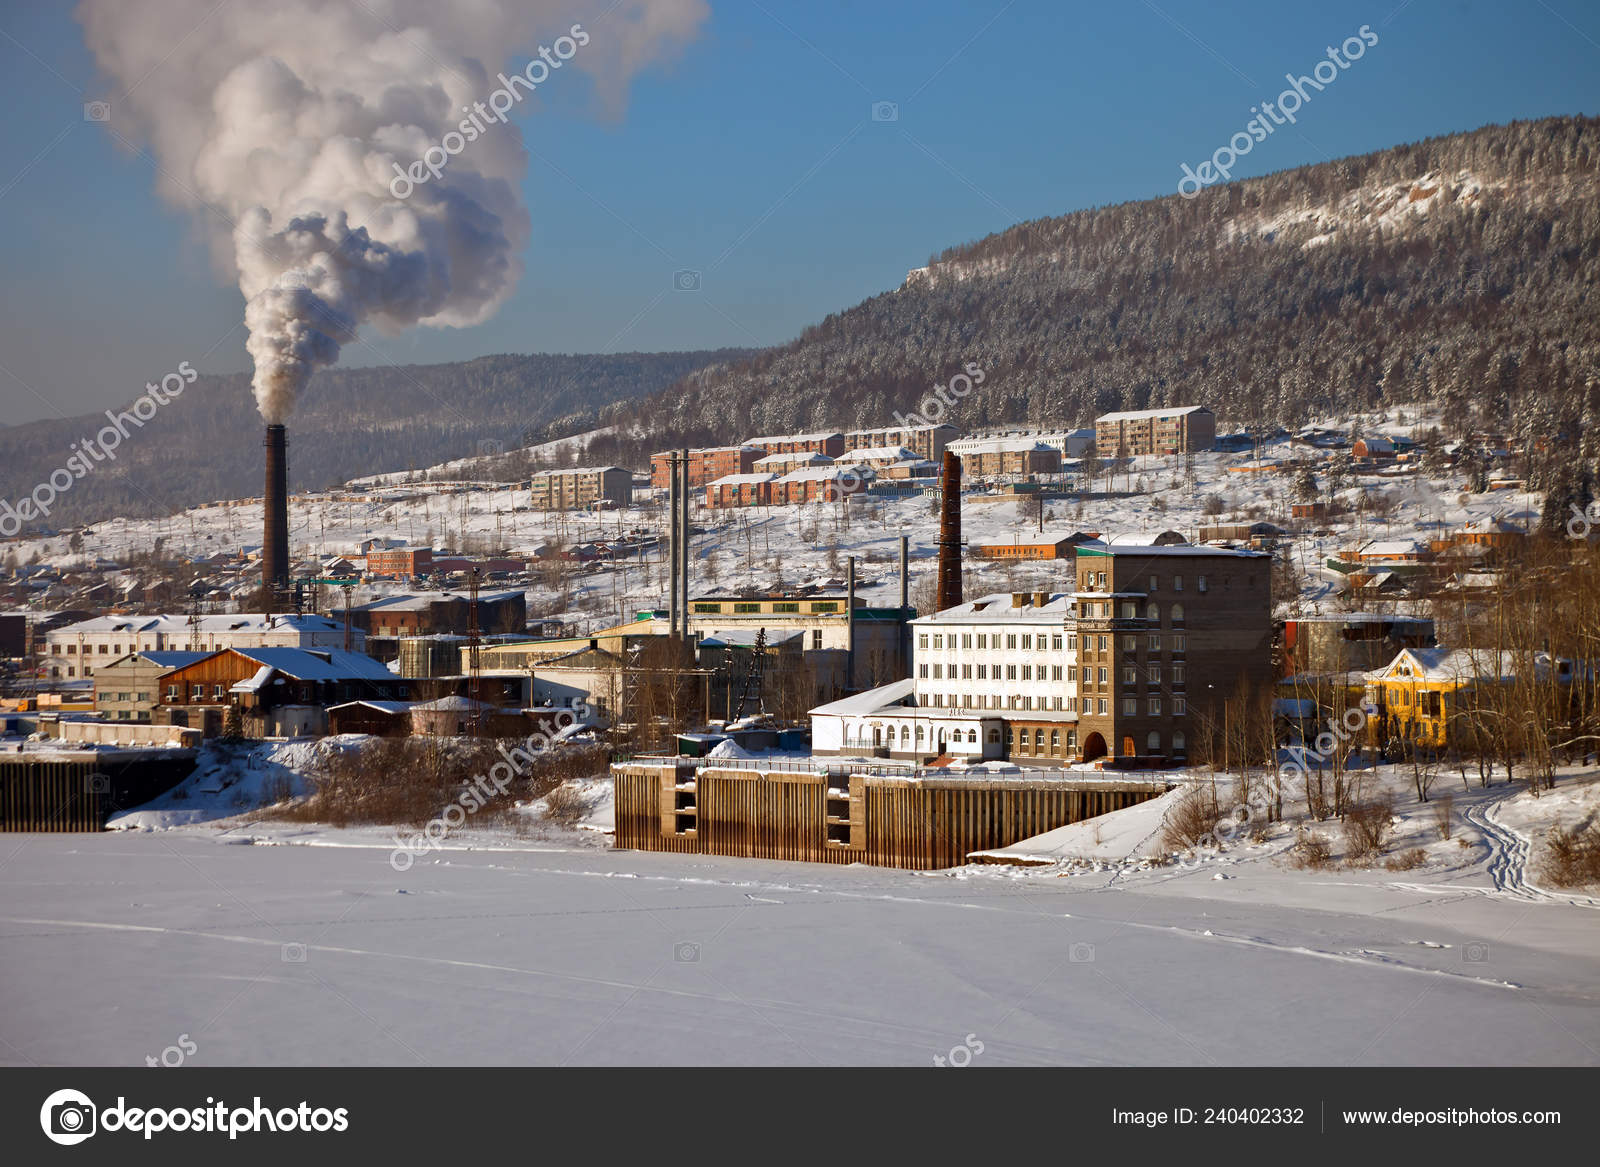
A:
x,y
1027,641
746,607
1012,672
1097,580
879,736
1031,742
992,701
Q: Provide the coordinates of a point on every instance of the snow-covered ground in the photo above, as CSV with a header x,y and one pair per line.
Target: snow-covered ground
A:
x,y
505,949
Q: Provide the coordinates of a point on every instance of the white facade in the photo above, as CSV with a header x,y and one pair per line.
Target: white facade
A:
x,y
74,651
1000,652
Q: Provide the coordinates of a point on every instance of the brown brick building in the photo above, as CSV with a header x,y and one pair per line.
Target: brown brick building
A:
x,y
1166,635
1177,429
831,444
580,487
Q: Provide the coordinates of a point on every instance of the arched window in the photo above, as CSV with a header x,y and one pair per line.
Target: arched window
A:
x,y
919,733
905,734
1152,743
972,737
1152,613
1038,741
1177,613
1055,743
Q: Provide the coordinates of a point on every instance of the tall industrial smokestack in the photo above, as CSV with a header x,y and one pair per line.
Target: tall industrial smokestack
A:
x,y
950,532
275,519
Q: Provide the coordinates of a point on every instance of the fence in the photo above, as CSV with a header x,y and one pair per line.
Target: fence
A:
x,y
920,822
80,790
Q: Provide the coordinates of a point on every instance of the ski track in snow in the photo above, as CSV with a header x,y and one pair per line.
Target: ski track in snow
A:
x,y
1509,851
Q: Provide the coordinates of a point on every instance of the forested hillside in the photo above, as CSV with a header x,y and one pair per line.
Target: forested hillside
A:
x,y
1460,270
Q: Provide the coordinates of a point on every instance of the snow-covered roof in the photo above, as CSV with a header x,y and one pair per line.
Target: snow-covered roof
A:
x,y
238,622
884,696
775,439
743,479
879,454
825,474
746,637
796,458
319,665
1141,414
997,609
381,706
257,681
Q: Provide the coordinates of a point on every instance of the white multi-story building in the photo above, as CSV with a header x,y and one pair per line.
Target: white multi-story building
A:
x,y
73,651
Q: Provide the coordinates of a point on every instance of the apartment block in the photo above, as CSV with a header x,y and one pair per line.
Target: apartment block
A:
x,y
706,465
831,444
580,487
925,441
1176,429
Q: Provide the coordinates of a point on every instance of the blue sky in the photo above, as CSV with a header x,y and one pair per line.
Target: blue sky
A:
x,y
755,160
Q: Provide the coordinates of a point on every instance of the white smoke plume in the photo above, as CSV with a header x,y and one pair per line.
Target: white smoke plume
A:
x,y
282,123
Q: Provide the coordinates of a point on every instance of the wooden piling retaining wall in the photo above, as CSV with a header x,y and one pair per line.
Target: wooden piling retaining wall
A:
x,y
883,821
79,791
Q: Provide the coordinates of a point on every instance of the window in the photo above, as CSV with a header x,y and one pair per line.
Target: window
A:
x,y
1180,708
1104,643
938,672
972,737
1059,703
966,672
1177,583
1177,641
1153,674
1055,672
1152,613
785,606
1088,705
1027,672
1055,743
1177,744
983,640
966,640
905,734
747,607
1152,742
994,737
216,690
1155,707
938,700
824,606
1011,672
922,671
982,672
1130,706
1105,707
1072,672
197,692
1011,640
1152,583
1100,579
1038,741
1155,642
1104,675
1177,675
1129,675
708,607
72,648
1200,583
172,692
1027,640
922,640
816,638
1027,702
1130,610
1055,643
1130,644
938,641
1072,741
1072,642
919,734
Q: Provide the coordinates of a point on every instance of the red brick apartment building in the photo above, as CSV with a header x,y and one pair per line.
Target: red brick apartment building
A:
x,y
740,490
404,562
831,444
1177,429
925,441
706,465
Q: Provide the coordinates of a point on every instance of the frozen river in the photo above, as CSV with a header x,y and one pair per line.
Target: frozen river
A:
x,y
120,947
